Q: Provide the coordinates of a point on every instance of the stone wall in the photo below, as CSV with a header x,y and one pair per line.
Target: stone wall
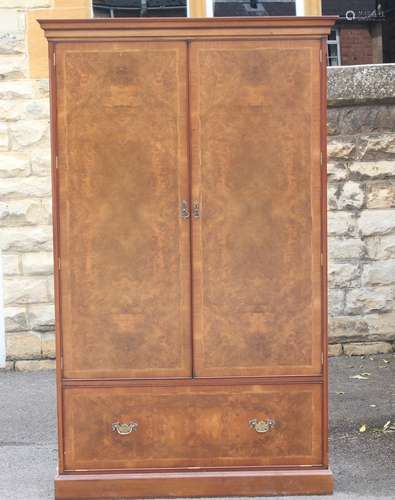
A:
x,y
25,197
361,201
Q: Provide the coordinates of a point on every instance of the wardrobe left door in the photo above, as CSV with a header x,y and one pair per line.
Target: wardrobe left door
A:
x,y
124,279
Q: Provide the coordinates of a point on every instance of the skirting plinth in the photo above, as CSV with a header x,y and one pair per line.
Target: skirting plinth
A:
x,y
194,484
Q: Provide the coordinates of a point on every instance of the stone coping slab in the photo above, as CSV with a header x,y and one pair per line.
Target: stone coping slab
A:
x,y
358,85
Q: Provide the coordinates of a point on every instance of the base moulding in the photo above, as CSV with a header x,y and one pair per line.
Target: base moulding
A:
x,y
194,484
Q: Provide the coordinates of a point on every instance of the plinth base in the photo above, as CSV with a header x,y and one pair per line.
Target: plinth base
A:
x,y
194,484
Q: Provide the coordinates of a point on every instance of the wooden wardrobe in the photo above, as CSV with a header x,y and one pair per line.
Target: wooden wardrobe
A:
x,y
189,197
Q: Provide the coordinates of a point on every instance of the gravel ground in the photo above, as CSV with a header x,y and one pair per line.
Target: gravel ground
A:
x,y
363,463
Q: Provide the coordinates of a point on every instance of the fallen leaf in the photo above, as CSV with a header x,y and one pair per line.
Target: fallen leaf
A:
x,y
360,377
362,428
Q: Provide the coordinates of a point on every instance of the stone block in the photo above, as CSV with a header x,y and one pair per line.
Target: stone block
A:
x,y
37,263
14,165
350,196
378,273
41,163
373,169
51,288
25,134
41,317
4,211
35,365
366,348
332,121
24,213
338,149
47,205
12,67
333,193
25,4
381,195
11,20
15,319
341,224
25,187
381,247
48,347
336,171
8,367
12,43
24,109
335,350
26,239
336,301
373,222
345,248
41,88
25,290
368,300
26,345
18,89
360,84
352,120
381,326
371,145
4,137
10,264
343,275
348,329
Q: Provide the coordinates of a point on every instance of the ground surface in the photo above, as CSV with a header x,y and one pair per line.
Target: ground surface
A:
x,y
363,463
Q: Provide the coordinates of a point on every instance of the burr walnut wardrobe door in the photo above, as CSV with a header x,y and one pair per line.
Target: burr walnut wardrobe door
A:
x,y
124,282
256,148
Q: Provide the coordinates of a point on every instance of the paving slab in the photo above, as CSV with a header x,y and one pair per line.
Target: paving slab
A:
x,y
363,463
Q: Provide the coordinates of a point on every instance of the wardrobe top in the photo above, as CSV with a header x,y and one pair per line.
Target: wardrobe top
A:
x,y
186,28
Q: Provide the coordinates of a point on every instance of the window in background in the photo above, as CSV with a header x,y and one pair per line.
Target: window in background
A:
x,y
334,48
139,8
223,8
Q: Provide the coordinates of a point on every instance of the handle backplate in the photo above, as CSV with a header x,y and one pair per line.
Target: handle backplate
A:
x,y
184,210
261,425
124,429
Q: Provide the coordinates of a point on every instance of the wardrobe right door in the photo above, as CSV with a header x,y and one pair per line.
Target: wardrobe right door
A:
x,y
256,174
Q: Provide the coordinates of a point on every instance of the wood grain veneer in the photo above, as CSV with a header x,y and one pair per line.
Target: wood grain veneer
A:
x,y
192,326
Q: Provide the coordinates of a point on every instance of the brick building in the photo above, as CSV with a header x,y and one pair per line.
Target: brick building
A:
x,y
357,37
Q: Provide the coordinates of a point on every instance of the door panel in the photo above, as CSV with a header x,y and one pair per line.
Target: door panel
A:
x,y
256,171
192,426
123,171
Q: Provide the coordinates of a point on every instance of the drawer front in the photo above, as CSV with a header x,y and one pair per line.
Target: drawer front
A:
x,y
192,426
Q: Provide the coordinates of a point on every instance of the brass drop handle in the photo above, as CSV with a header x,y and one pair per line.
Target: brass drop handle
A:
x,y
261,425
124,429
